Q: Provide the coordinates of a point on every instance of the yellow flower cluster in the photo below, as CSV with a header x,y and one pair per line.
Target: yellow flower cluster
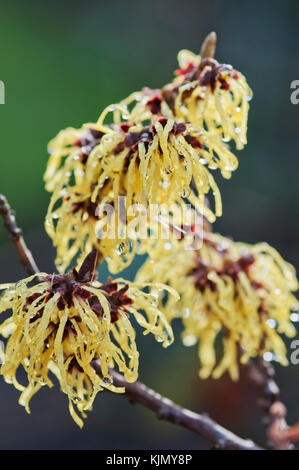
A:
x,y
234,291
156,143
60,324
154,148
212,96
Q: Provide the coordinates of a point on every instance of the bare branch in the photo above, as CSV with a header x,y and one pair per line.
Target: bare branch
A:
x,y
25,256
167,410
262,376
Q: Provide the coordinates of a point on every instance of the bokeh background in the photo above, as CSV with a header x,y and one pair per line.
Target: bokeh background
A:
x,y
62,62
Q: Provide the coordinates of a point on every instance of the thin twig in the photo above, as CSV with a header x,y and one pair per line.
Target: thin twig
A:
x,y
164,408
167,410
262,376
16,235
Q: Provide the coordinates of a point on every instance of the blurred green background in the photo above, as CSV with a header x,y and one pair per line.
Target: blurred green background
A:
x,y
62,62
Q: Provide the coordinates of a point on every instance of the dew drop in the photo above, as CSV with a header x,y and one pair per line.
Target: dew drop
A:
x,y
186,312
108,380
271,323
167,246
169,170
268,356
186,192
123,248
294,317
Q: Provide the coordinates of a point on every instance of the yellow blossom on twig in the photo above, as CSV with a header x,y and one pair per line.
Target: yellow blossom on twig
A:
x,y
62,323
159,146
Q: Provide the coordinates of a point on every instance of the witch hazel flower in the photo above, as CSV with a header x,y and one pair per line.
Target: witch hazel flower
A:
x,y
61,324
235,295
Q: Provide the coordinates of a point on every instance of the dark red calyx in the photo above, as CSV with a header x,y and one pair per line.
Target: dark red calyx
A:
x,y
117,300
154,104
32,298
88,142
211,73
125,127
193,141
69,327
64,285
257,285
132,139
230,268
179,128
73,365
163,121
77,206
72,283
233,268
262,308
189,69
200,274
223,84
86,206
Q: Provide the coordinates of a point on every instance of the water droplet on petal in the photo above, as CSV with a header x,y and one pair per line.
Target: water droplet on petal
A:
x,y
186,192
268,356
294,317
123,248
108,379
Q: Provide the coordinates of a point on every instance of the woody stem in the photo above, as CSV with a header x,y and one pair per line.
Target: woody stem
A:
x,y
167,410
262,376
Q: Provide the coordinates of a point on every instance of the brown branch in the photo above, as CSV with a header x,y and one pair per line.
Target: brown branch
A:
x,y
167,410
292,433
164,408
15,233
262,376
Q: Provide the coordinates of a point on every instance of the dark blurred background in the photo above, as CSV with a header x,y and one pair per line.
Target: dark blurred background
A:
x,y
62,62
